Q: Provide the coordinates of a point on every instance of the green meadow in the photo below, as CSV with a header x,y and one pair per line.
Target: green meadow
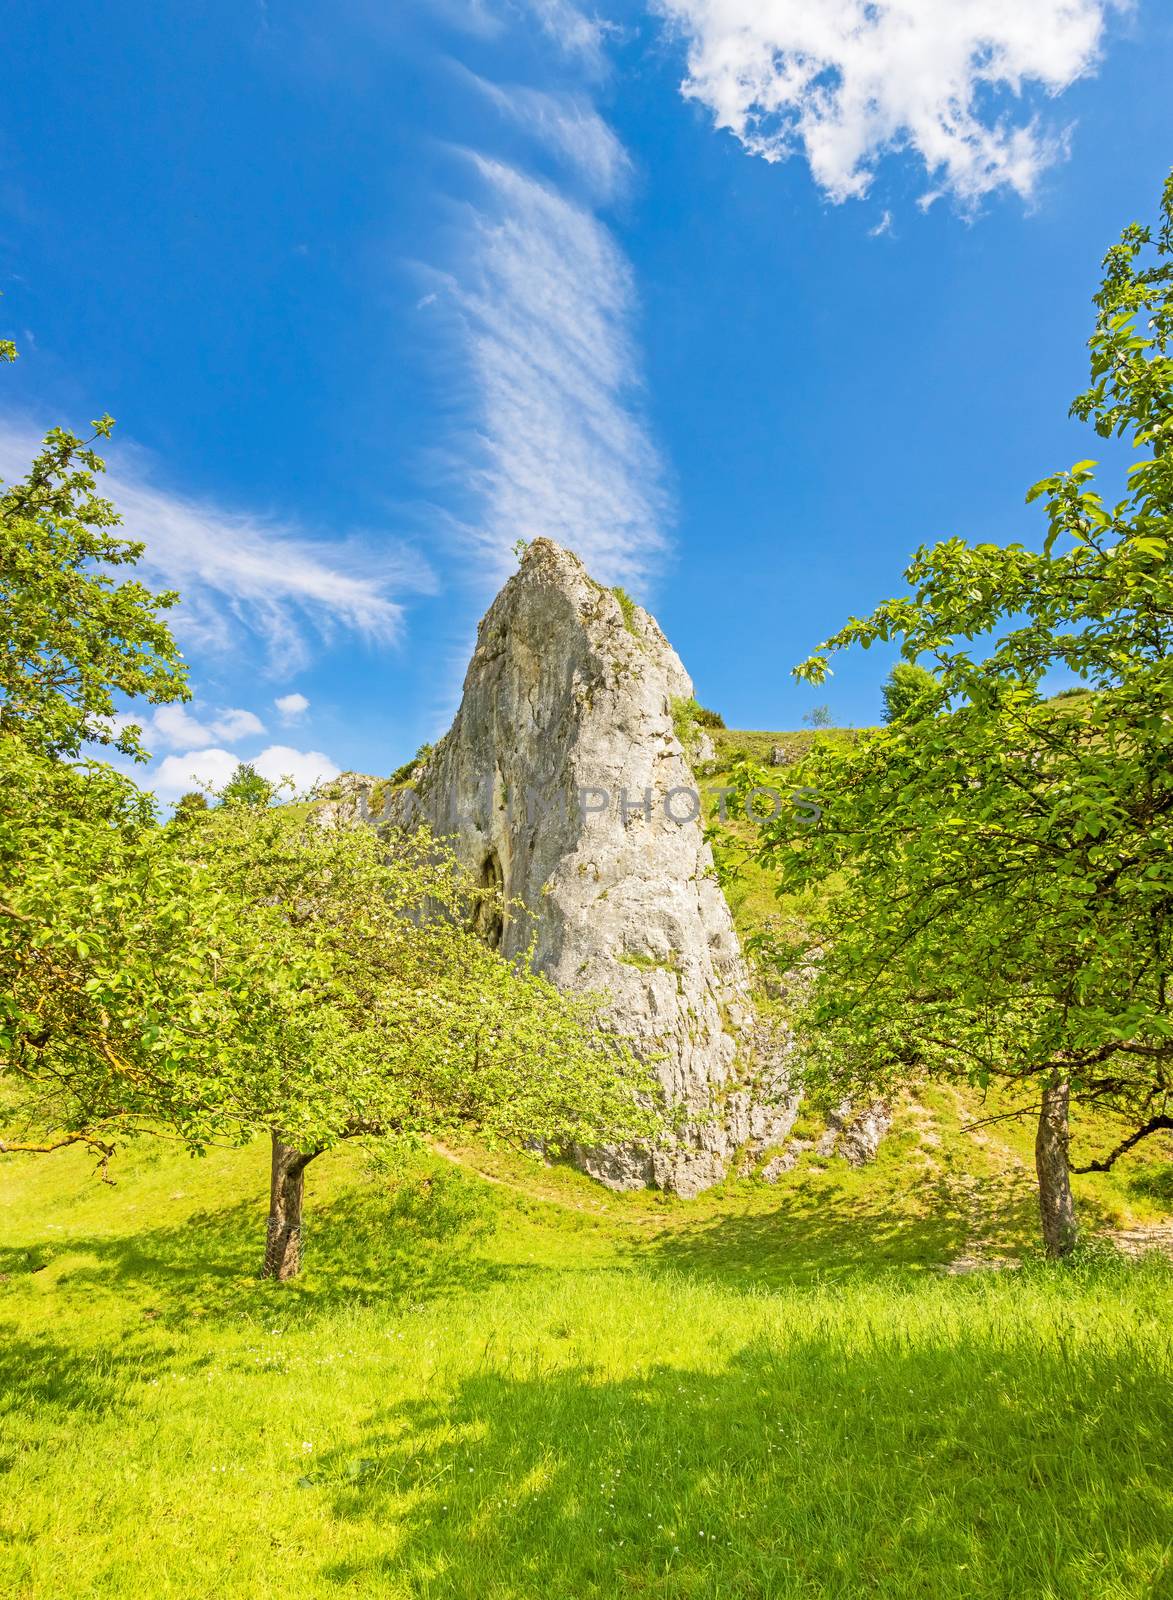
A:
x,y
496,1380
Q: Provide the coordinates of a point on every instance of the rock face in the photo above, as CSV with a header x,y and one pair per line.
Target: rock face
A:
x,y
563,781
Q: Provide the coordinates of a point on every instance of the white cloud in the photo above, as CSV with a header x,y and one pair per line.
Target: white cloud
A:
x,y
574,32
570,127
238,571
571,29
305,767
847,81
291,706
232,726
546,302
176,728
196,768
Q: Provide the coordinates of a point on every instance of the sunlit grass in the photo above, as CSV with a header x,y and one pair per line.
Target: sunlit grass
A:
x,y
530,1388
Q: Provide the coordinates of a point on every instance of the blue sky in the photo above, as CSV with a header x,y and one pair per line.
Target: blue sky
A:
x,y
742,299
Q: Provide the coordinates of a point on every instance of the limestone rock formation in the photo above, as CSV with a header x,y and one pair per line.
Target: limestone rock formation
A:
x,y
563,781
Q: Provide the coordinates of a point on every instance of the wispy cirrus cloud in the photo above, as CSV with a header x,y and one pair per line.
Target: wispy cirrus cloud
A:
x,y
575,31
239,573
546,304
568,126
844,82
578,34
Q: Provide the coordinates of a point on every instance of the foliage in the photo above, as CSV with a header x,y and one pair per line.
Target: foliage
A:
x,y
1001,875
190,805
818,717
254,969
108,1010
383,1013
686,723
72,636
409,768
628,607
709,719
246,787
117,1002
910,691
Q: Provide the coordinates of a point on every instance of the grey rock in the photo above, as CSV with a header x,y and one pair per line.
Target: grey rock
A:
x,y
563,781
856,1135
349,797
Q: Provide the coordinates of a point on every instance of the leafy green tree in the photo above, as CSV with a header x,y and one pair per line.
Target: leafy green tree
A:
x,y
72,636
123,1001
94,952
192,804
246,787
910,691
384,1014
997,880
818,717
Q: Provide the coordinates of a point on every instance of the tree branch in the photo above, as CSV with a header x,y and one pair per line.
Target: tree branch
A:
x,y
107,1150
1153,1125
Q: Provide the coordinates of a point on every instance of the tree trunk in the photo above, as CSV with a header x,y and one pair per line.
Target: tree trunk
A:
x,y
1056,1206
286,1187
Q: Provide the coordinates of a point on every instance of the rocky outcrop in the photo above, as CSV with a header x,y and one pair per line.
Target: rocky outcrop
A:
x,y
563,781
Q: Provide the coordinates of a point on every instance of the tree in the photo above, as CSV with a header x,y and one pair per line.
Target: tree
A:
x,y
997,879
71,635
246,787
192,804
910,691
103,998
818,717
124,1003
386,1016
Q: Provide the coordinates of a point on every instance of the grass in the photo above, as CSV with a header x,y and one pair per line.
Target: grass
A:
x,y
498,1380
628,607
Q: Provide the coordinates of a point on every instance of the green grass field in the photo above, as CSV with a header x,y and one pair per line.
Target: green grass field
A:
x,y
497,1380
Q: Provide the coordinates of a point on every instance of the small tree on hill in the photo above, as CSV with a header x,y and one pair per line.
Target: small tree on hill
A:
x,y
246,787
910,691
192,804
998,879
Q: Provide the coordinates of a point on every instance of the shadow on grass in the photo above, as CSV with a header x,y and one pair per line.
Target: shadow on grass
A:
x,y
834,1225
993,1459
415,1241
